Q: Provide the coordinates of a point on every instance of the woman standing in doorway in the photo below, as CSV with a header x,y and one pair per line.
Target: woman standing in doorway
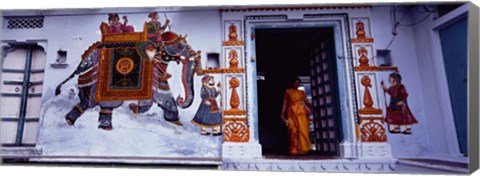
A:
x,y
295,104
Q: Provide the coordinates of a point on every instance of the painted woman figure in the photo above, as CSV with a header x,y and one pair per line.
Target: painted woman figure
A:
x,y
155,28
398,112
295,104
208,114
115,26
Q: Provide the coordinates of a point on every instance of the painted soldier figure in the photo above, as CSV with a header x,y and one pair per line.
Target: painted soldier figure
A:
x,y
208,114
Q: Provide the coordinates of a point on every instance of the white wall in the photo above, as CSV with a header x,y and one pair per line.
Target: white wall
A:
x,y
440,126
403,51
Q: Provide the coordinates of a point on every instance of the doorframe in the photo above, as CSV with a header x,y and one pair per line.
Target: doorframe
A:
x,y
345,72
441,76
21,152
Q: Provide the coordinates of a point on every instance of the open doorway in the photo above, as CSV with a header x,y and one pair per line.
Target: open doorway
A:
x,y
307,53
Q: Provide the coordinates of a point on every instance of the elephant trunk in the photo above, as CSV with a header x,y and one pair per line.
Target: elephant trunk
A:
x,y
188,72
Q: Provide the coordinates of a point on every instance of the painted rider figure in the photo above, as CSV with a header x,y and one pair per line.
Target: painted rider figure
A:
x,y
155,28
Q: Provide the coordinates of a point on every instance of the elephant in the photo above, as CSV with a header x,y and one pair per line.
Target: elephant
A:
x,y
173,48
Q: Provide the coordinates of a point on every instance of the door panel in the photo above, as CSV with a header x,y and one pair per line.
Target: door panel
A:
x,y
39,62
454,49
15,59
33,107
8,129
21,102
30,132
10,106
326,136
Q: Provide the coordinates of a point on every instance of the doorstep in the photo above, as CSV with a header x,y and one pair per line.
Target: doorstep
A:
x,y
436,164
383,165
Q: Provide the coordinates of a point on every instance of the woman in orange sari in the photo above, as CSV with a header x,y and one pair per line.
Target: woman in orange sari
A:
x,y
295,104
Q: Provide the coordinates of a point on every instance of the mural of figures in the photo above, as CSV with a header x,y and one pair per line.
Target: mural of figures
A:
x,y
116,27
129,96
398,112
126,73
208,114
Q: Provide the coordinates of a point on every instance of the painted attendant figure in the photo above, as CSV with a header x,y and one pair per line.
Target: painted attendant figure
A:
x,y
208,114
398,112
295,104
114,25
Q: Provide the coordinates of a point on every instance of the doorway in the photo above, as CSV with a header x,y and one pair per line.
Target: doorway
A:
x,y
23,67
309,54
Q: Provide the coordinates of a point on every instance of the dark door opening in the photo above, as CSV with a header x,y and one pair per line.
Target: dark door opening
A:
x,y
308,53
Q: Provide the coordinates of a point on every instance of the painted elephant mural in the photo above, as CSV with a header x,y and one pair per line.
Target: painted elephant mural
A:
x,y
127,58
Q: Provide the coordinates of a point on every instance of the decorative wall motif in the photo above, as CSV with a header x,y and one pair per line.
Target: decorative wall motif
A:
x,y
236,127
373,130
362,30
236,130
234,100
372,166
375,68
224,70
233,33
233,56
364,55
367,98
116,80
234,97
362,52
266,9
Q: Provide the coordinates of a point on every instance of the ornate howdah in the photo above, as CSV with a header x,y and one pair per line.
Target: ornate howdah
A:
x,y
124,74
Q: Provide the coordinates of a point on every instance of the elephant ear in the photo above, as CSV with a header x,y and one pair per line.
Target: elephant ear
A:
x,y
144,51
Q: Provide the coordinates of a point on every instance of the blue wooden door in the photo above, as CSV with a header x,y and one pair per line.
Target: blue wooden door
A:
x,y
454,49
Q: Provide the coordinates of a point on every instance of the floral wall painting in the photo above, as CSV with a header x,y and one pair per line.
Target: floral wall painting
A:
x,y
398,113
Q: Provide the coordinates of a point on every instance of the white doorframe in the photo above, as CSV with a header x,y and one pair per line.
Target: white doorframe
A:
x,y
441,76
348,148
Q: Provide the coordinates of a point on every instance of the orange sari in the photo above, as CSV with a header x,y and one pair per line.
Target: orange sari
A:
x,y
298,122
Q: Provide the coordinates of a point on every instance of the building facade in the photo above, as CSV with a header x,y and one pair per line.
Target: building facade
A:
x,y
344,56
